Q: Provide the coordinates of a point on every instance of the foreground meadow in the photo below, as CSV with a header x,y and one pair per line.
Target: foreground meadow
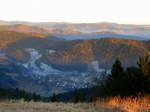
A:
x,y
114,104
52,107
127,104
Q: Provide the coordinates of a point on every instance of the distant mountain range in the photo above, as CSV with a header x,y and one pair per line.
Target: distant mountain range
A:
x,y
52,58
139,31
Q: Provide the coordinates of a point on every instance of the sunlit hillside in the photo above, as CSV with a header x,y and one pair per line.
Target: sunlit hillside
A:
x,y
7,37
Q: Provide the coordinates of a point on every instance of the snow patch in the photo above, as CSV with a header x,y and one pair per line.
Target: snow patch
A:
x,y
84,74
34,56
43,69
31,64
95,65
51,51
2,55
47,68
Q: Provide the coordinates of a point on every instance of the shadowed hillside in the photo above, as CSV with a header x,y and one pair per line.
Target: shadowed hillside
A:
x,y
7,37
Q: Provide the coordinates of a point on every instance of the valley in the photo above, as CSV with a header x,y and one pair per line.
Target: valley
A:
x,y
58,58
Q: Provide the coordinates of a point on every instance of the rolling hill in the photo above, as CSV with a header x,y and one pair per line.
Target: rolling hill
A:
x,y
71,28
35,29
55,65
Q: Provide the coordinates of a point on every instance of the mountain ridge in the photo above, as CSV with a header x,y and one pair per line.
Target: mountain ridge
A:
x,y
57,66
68,28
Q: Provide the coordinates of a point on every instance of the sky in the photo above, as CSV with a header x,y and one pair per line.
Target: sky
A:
x,y
76,11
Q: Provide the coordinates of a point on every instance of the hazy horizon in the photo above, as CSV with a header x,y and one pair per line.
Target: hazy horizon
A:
x,y
76,11
129,23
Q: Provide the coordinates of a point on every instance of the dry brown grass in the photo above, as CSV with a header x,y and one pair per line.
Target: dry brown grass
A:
x,y
128,104
21,106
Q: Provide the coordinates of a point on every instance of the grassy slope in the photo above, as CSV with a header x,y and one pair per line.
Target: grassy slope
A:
x,y
128,104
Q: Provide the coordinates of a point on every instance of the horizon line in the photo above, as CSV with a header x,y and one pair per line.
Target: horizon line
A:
x,y
67,22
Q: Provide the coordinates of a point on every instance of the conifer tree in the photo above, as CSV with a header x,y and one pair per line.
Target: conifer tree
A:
x,y
114,83
144,65
117,68
53,98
